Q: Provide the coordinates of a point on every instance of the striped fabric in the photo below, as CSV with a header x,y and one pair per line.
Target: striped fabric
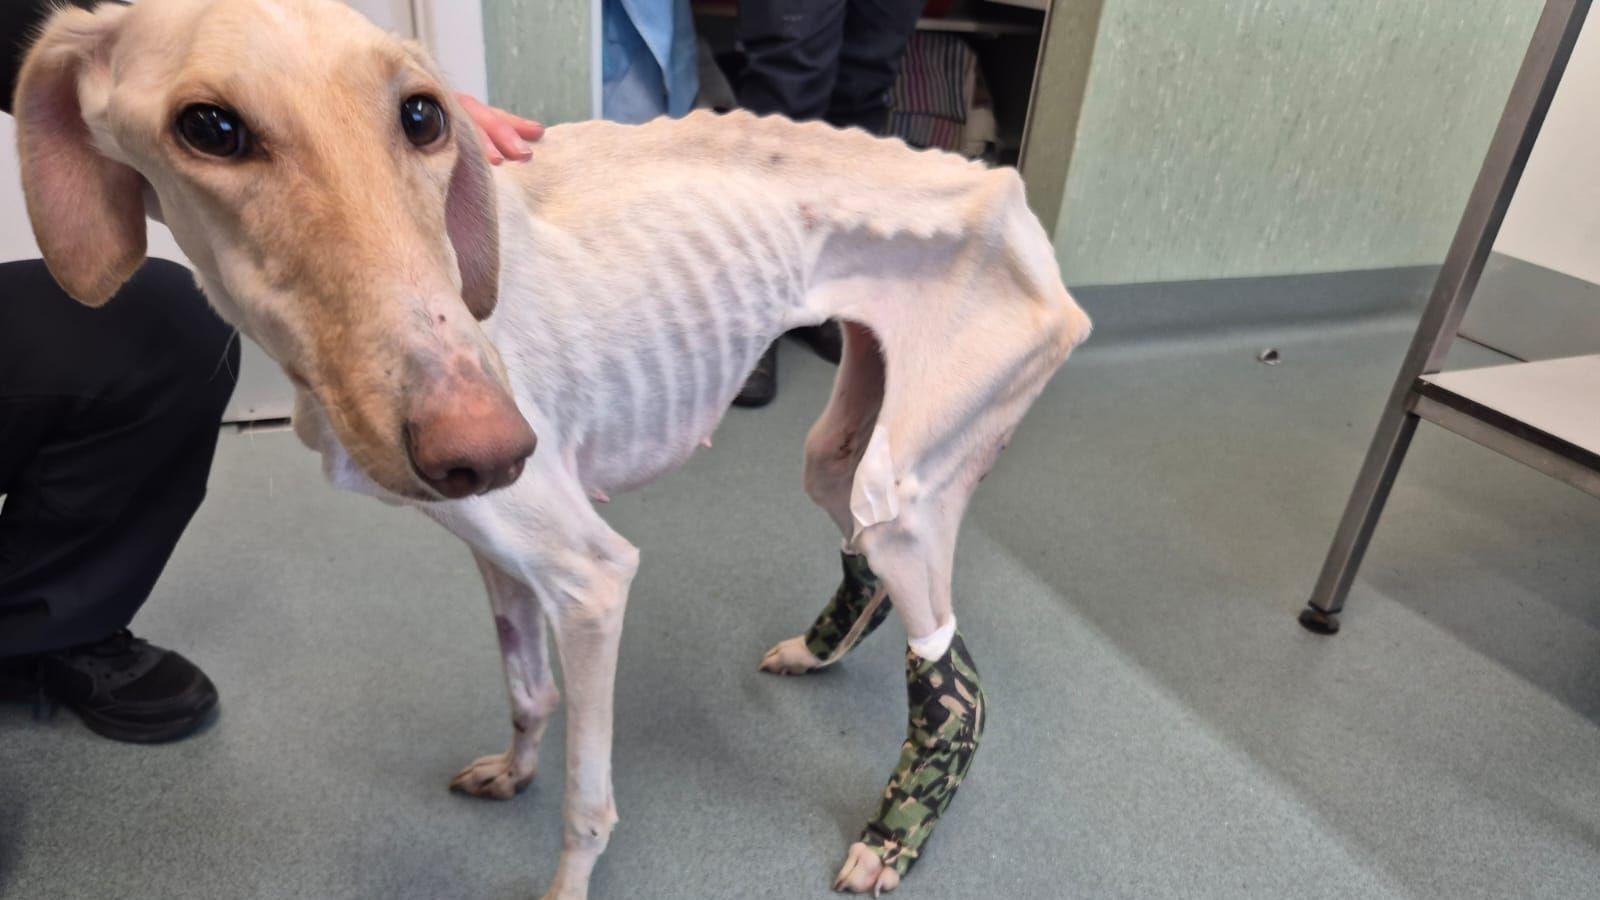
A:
x,y
930,99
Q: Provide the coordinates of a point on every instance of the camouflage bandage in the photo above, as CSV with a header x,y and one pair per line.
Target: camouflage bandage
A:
x,y
942,737
858,607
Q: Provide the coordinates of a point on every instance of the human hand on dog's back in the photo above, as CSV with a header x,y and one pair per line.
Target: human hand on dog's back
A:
x,y
505,136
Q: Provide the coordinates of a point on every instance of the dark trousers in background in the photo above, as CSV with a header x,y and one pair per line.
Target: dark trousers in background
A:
x,y
108,422
833,60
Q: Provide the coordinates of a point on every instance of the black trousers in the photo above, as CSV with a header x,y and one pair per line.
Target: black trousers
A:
x,y
824,59
108,422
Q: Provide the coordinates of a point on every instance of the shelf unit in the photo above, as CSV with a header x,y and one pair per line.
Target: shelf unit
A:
x,y
966,23
1543,414
1006,35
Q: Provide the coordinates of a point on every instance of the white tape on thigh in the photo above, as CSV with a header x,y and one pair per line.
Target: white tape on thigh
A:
x,y
872,493
932,647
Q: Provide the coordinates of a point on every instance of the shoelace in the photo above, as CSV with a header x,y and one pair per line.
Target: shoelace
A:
x,y
119,644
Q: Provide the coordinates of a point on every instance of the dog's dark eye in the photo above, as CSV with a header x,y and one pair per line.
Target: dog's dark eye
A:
x,y
422,120
213,130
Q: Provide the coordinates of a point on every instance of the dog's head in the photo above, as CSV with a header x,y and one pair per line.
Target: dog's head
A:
x,y
328,188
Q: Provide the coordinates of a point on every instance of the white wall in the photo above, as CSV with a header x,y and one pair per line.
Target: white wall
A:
x,y
453,32
1555,218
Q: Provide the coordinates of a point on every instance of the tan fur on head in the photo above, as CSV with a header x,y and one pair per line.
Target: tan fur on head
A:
x,y
358,260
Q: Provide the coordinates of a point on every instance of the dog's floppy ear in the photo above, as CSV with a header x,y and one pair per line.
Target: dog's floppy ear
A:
x,y
86,210
472,218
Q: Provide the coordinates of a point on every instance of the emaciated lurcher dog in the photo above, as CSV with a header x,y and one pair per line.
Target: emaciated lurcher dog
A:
x,y
610,296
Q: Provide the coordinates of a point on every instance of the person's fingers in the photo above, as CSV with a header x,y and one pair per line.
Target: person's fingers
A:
x,y
505,138
489,149
472,106
507,134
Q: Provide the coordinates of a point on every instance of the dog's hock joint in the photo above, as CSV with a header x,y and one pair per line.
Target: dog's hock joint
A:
x,y
932,646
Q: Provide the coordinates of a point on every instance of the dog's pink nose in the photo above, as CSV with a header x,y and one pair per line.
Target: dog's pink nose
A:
x,y
475,441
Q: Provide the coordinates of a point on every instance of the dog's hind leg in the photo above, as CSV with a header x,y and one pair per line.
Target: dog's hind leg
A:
x,y
858,606
913,554
520,626
926,455
833,450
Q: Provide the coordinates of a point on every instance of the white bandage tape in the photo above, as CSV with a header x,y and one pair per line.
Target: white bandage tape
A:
x,y
932,647
872,493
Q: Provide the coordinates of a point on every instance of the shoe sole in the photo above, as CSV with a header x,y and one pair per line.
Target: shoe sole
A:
x,y
754,402
145,732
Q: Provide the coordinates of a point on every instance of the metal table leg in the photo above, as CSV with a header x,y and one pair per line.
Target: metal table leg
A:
x,y
1531,93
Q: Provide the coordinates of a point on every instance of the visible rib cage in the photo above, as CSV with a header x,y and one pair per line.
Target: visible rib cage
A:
x,y
672,319
667,256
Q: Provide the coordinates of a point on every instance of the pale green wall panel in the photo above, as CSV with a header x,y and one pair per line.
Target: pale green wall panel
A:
x,y
1225,138
539,57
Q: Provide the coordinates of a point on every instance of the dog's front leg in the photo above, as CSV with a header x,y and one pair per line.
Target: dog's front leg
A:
x,y
585,601
541,540
520,625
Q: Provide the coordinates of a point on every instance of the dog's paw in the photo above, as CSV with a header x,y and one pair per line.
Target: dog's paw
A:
x,y
790,658
494,777
864,872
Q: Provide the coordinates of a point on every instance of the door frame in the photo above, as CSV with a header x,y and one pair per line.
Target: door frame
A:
x,y
453,33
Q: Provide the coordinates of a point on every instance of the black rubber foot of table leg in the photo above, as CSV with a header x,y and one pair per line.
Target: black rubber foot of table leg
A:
x,y
1319,622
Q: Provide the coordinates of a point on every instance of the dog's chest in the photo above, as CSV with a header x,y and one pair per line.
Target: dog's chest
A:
x,y
636,337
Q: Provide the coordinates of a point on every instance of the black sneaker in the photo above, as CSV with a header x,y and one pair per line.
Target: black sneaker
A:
x,y
762,384
123,688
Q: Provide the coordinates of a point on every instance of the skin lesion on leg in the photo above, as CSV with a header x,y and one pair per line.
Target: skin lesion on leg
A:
x,y
945,725
859,605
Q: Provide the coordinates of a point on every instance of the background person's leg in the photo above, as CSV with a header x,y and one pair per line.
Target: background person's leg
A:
x,y
834,60
791,50
108,422
874,41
